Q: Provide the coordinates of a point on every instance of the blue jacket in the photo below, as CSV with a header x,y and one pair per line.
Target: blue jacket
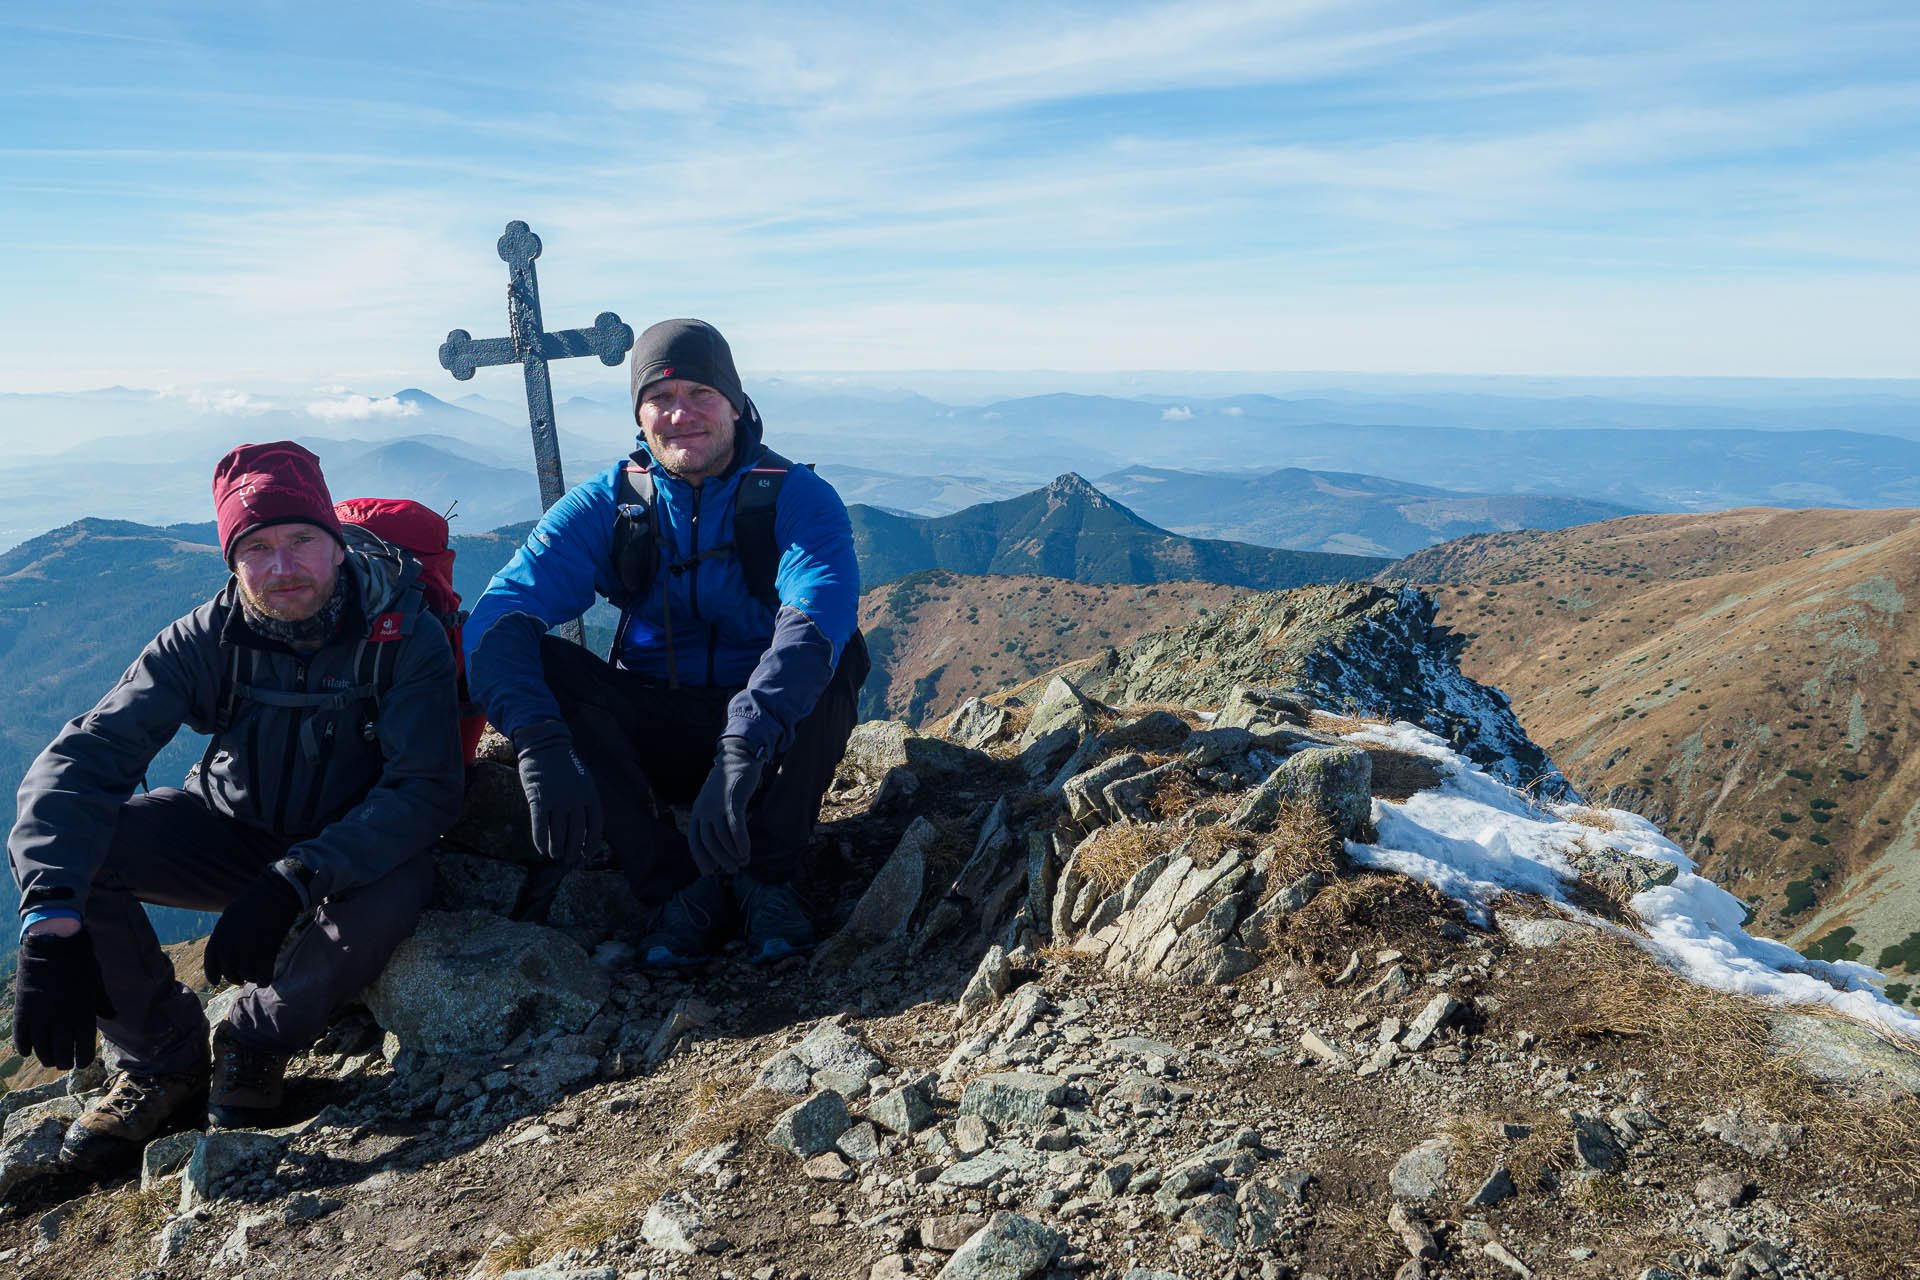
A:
x,y
722,636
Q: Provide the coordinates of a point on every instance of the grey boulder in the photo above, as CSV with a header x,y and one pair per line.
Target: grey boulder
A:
x,y
469,982
1009,1247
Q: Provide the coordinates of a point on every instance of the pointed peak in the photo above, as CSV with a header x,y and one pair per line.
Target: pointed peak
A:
x,y
1075,486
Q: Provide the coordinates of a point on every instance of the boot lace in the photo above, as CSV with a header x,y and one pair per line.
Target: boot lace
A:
x,y
132,1094
246,1068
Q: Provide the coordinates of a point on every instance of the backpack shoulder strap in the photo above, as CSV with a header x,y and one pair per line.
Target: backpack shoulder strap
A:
x,y
636,541
754,544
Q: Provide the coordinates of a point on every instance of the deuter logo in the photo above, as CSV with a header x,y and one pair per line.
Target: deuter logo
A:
x,y
386,627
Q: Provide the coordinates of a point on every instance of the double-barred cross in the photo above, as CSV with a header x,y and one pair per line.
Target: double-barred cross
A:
x,y
530,347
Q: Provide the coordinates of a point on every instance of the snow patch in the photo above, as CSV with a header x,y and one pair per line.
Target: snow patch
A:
x,y
1474,839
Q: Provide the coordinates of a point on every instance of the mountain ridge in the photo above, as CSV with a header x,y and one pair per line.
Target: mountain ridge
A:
x,y
1743,677
1070,529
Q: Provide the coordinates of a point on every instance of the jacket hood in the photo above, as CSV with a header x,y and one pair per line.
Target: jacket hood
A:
x,y
380,572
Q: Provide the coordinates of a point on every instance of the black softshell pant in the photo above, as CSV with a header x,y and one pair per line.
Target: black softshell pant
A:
x,y
171,850
649,747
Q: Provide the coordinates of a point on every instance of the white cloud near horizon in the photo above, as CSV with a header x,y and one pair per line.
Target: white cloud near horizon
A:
x,y
359,408
227,401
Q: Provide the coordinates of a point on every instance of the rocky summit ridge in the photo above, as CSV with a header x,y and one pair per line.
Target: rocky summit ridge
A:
x,y
1117,991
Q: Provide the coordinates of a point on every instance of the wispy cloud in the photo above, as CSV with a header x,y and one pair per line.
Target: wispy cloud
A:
x,y
358,408
1246,163
227,401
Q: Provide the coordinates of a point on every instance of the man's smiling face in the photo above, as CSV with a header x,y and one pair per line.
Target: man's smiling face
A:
x,y
688,427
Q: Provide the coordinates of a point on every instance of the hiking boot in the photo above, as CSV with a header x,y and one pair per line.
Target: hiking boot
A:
x,y
137,1109
249,1084
682,930
777,924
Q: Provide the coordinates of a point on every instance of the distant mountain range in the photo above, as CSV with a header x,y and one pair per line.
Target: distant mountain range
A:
x,y
1788,444
1746,678
1335,511
1072,530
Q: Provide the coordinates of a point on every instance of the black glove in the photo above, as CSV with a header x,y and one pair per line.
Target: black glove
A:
x,y
561,798
717,830
57,994
246,939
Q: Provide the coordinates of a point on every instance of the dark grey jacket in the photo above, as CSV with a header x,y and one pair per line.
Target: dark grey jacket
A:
x,y
358,805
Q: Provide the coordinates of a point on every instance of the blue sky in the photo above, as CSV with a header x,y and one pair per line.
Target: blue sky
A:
x,y
279,194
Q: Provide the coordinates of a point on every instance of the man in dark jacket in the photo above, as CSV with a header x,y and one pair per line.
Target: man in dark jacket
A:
x,y
734,670
335,763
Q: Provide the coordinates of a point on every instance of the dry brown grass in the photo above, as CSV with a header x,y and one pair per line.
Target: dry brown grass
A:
x,y
1368,909
1716,1044
1303,839
1207,845
1360,1235
1057,958
1479,1145
949,851
1178,792
718,1109
580,1221
1113,853
1398,775
1337,723
138,1215
1598,819
1882,1251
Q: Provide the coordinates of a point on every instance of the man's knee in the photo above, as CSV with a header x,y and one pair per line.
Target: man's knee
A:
x,y
576,677
385,911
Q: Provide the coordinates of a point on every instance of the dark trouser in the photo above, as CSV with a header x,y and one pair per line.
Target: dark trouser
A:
x,y
649,747
170,849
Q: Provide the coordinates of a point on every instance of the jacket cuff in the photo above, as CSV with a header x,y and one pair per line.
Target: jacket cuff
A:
x,y
299,876
46,913
760,732
541,733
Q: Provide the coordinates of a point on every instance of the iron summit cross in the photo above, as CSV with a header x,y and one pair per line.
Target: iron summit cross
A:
x,y
528,346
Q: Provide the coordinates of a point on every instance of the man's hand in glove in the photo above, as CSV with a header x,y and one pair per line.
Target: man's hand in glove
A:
x,y
561,798
246,939
717,831
57,995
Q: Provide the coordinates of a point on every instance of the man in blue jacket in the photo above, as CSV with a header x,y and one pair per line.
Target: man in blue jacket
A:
x,y
734,672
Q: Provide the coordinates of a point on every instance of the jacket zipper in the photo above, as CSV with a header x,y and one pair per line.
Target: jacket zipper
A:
x,y
293,750
693,586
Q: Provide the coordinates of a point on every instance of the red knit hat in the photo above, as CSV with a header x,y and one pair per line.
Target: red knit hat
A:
x,y
261,484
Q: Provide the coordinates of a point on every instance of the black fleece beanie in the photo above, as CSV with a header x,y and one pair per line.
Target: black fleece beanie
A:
x,y
690,349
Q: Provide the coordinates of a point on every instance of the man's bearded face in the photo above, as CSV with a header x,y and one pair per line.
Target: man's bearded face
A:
x,y
287,571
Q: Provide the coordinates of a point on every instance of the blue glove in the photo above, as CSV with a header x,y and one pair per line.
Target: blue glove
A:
x,y
717,830
561,798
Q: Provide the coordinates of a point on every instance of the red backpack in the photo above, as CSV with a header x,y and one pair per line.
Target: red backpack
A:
x,y
422,532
